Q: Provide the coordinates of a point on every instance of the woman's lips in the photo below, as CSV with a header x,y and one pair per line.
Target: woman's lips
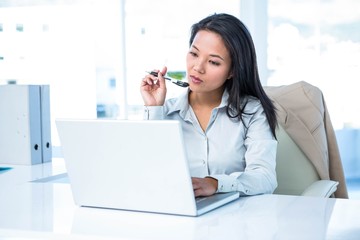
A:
x,y
195,80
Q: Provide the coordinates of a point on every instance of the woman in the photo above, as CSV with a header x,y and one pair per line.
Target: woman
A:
x,y
228,121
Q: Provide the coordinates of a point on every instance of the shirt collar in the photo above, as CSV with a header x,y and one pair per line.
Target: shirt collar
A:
x,y
182,104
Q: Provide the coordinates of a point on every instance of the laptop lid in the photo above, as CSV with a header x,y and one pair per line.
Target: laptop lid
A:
x,y
129,165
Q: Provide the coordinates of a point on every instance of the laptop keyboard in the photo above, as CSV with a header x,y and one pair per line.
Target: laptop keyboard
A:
x,y
199,199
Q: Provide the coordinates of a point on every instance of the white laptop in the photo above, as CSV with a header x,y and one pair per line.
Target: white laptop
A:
x,y
131,165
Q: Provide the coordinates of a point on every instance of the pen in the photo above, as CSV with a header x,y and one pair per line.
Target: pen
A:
x,y
174,81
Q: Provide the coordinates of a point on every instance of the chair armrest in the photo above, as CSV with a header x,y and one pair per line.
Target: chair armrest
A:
x,y
321,188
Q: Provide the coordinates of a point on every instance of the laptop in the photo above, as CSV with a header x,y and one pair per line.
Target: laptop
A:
x,y
132,165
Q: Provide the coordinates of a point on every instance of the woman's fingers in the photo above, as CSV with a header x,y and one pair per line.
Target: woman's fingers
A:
x,y
164,71
204,186
161,79
153,88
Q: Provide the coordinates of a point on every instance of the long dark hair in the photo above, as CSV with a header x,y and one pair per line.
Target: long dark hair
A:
x,y
245,76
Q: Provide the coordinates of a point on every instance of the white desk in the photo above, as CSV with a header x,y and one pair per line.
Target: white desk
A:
x,y
45,210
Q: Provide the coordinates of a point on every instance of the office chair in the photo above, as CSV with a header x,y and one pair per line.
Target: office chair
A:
x,y
308,158
295,173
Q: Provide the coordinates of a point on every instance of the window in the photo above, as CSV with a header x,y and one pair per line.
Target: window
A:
x,y
38,45
318,42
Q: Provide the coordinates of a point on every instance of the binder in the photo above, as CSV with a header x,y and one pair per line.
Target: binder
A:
x,y
45,123
25,130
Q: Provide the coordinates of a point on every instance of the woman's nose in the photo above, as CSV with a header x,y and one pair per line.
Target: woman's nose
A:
x,y
199,66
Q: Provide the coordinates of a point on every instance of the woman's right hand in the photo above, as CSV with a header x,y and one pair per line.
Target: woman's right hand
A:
x,y
153,89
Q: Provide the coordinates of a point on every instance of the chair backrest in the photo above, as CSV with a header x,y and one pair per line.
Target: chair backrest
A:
x,y
302,111
294,170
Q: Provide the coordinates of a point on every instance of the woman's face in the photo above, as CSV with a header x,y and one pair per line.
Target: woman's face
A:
x,y
208,62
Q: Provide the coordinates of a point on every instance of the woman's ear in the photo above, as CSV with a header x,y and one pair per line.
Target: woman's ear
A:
x,y
230,74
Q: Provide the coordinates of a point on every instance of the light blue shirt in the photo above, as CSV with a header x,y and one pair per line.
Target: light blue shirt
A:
x,y
241,158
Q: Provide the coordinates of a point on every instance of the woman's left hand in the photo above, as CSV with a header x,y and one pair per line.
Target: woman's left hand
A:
x,y
204,186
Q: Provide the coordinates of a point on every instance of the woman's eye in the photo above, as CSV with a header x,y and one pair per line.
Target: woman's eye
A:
x,y
214,63
193,54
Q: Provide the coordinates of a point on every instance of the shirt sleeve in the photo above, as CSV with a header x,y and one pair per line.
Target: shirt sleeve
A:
x,y
259,175
226,183
153,113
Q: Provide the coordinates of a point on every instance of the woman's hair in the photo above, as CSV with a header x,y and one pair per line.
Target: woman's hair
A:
x,y
245,79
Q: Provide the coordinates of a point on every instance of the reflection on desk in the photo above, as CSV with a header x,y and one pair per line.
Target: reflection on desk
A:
x,y
44,209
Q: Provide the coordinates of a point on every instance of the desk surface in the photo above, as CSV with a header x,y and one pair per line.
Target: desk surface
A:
x,y
44,209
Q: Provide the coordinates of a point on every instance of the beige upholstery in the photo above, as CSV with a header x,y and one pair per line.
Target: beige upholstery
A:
x,y
302,112
295,173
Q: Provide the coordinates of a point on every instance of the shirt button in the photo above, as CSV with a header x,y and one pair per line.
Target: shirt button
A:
x,y
203,162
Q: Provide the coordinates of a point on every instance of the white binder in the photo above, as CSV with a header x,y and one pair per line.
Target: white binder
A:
x,y
25,130
46,147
